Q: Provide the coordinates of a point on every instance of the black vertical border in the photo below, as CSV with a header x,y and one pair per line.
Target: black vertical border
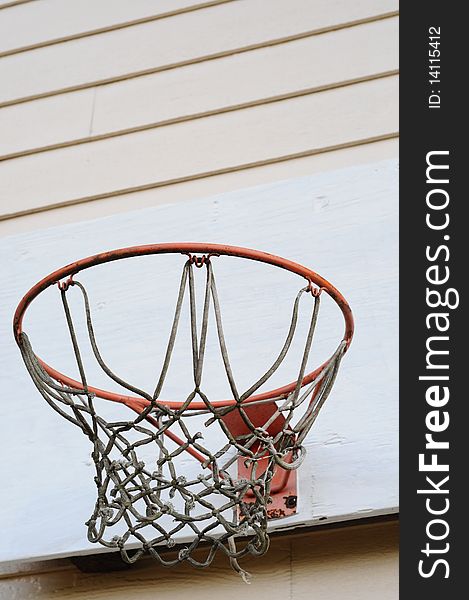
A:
x,y
424,130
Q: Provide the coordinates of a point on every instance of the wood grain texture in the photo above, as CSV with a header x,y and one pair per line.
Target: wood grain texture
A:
x,y
288,128
284,70
162,44
51,21
354,562
198,188
341,223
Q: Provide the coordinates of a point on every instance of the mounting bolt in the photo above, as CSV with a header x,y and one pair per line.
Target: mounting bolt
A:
x,y
291,501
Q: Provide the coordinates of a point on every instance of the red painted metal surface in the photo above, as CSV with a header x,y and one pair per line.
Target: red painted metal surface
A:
x,y
283,490
206,250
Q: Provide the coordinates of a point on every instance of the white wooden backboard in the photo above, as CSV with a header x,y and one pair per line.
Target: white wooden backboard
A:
x,y
342,224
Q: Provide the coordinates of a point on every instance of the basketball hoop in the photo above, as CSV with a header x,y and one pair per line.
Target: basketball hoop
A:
x,y
241,484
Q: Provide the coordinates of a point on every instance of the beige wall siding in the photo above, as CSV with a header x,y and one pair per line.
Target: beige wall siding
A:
x,y
199,117
166,43
283,70
357,563
48,22
216,144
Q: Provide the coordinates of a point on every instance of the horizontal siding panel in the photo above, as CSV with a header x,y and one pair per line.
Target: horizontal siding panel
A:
x,y
47,20
214,144
198,188
187,37
45,121
353,53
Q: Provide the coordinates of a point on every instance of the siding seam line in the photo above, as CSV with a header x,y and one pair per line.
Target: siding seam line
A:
x,y
196,116
202,175
197,60
109,28
14,3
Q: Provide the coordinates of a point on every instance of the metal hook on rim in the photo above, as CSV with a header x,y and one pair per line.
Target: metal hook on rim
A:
x,y
314,290
63,286
200,261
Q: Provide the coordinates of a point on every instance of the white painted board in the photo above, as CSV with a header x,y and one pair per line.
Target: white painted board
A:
x,y
343,224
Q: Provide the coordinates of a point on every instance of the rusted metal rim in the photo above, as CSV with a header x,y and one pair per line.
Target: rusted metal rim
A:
x,y
206,250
